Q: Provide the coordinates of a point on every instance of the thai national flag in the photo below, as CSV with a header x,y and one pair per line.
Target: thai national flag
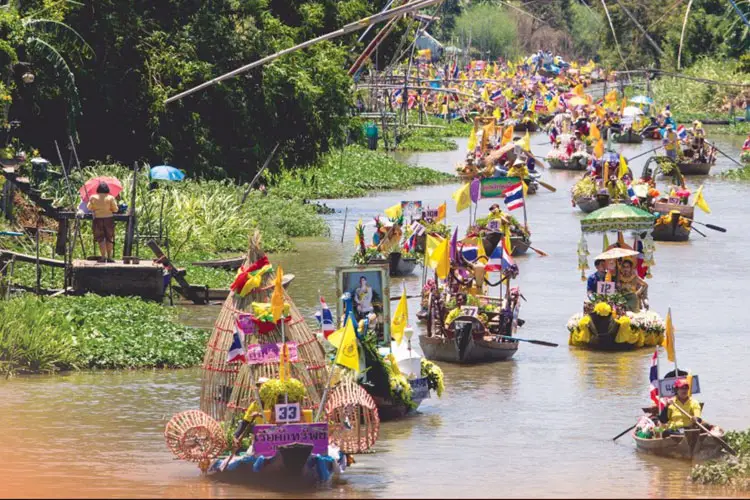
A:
x,y
681,132
653,376
417,228
325,318
514,196
633,197
470,252
236,351
500,259
496,95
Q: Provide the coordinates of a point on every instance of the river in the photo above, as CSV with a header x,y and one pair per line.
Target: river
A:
x,y
539,425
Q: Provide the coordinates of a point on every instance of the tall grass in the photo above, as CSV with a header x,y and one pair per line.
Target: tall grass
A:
x,y
64,333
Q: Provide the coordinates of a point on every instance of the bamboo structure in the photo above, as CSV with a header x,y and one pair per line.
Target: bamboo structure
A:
x,y
228,385
353,417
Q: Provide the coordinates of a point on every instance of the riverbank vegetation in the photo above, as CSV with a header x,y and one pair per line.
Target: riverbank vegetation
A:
x,y
732,471
39,335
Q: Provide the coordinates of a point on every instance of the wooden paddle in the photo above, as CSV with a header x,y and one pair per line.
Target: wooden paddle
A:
x,y
697,231
643,154
624,432
729,157
548,186
539,252
723,443
710,226
538,342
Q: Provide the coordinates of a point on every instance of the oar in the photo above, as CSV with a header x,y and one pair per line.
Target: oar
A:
x,y
722,152
539,252
624,432
643,154
710,226
723,443
548,186
538,342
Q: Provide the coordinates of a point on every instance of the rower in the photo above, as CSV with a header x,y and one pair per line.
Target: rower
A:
x,y
247,422
673,417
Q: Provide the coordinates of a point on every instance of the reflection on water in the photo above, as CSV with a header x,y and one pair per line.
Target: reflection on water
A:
x,y
539,425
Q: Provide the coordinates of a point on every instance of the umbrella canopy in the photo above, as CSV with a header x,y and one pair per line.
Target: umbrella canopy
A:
x,y
616,253
642,99
611,157
632,111
577,101
617,217
89,189
166,173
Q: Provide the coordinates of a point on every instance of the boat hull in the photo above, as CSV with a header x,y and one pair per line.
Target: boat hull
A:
x,y
694,168
397,264
693,445
587,205
629,137
670,232
525,127
391,410
519,244
566,165
477,351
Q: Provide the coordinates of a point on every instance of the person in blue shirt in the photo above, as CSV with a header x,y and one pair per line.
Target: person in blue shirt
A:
x,y
599,275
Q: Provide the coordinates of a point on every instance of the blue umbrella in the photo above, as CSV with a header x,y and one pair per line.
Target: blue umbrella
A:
x,y
642,99
610,157
166,173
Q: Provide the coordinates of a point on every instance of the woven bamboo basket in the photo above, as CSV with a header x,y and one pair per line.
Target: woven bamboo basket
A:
x,y
221,387
353,417
194,436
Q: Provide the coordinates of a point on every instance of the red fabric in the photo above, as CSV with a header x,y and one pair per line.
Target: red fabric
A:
x,y
239,281
265,327
263,261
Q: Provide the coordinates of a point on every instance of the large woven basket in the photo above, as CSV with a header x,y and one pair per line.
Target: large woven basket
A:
x,y
194,436
353,417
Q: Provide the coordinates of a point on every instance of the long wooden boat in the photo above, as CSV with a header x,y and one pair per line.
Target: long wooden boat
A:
x,y
469,344
694,168
673,231
525,127
692,445
398,265
230,263
571,164
589,204
629,137
520,244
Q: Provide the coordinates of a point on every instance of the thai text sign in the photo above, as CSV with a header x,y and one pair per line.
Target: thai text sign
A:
x,y
268,438
269,353
419,389
666,386
493,187
430,214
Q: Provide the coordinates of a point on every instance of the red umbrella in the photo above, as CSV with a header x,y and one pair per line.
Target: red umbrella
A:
x,y
91,185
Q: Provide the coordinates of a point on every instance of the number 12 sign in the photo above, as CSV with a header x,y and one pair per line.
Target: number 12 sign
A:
x,y
287,413
605,287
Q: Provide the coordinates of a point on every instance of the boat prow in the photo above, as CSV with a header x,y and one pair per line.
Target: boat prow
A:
x,y
692,445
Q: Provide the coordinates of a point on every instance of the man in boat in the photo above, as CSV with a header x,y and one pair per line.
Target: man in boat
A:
x,y
251,415
671,143
698,135
594,279
675,419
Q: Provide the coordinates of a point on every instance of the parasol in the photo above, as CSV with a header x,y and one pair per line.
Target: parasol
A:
x,y
89,189
611,157
632,111
642,99
166,173
616,253
617,217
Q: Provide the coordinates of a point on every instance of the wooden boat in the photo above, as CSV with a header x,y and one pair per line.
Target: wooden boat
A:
x,y
673,231
398,265
629,137
388,409
470,344
520,244
694,444
230,263
572,164
588,204
603,338
694,168
525,127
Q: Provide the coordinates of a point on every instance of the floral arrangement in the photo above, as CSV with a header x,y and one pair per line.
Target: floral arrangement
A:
x,y
573,322
557,154
647,321
745,156
399,385
434,376
585,188
272,389
603,309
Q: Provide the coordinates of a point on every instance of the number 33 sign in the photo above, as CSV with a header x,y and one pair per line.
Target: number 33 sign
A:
x,y
287,413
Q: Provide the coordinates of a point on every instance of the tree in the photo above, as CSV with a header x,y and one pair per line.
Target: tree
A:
x,y
490,28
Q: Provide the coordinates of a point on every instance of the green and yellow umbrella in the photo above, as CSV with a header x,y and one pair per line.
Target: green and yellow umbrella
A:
x,y
617,217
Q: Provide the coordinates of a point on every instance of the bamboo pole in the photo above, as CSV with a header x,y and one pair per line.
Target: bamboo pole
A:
x,y
349,28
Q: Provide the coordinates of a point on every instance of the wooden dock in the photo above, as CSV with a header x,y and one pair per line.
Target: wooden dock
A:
x,y
145,279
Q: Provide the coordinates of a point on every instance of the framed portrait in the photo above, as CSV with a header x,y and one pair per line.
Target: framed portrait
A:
x,y
369,288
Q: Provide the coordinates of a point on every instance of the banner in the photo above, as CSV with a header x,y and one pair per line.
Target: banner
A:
x,y
419,389
269,353
493,187
269,437
666,386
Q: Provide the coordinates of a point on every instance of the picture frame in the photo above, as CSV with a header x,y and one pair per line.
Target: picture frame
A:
x,y
377,301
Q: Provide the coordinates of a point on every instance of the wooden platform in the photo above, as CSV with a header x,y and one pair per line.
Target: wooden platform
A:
x,y
145,279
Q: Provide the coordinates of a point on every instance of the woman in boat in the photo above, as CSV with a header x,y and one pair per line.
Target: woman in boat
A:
x,y
675,419
631,285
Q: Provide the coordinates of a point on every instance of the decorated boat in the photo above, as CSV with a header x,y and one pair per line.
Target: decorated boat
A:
x,y
693,444
629,136
386,247
565,156
265,384
615,313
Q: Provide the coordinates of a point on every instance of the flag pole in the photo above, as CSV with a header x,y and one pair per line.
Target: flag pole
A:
x,y
674,349
330,372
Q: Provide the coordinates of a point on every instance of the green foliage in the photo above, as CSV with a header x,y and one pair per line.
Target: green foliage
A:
x,y
737,174
490,28
730,471
351,172
420,142
45,335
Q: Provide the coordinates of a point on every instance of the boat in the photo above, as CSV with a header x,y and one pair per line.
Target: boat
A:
x,y
573,163
387,250
469,343
694,444
229,263
525,126
398,265
612,320
694,168
675,223
628,137
588,204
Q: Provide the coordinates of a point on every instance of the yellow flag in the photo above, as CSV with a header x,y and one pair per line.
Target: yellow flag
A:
x,y
508,244
672,193
394,212
594,132
700,202
442,258
441,212
552,106
485,94
578,90
480,251
472,141
599,149
462,197
611,96
525,188
526,142
507,135
623,167
668,342
432,243
496,114
600,112
357,242
622,105
277,298
400,319
348,353
690,382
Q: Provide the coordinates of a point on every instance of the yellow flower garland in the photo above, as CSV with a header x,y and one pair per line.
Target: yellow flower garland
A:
x,y
603,309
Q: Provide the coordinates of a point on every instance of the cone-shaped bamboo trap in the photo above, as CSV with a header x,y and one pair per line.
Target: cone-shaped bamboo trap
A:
x,y
221,386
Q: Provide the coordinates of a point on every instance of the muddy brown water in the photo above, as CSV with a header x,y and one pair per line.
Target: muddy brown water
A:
x,y
539,425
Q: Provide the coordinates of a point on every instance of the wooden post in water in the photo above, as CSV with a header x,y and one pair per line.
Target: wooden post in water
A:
x,y
343,229
38,266
127,248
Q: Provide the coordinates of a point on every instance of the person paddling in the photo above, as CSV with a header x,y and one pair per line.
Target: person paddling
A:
x,y
675,419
